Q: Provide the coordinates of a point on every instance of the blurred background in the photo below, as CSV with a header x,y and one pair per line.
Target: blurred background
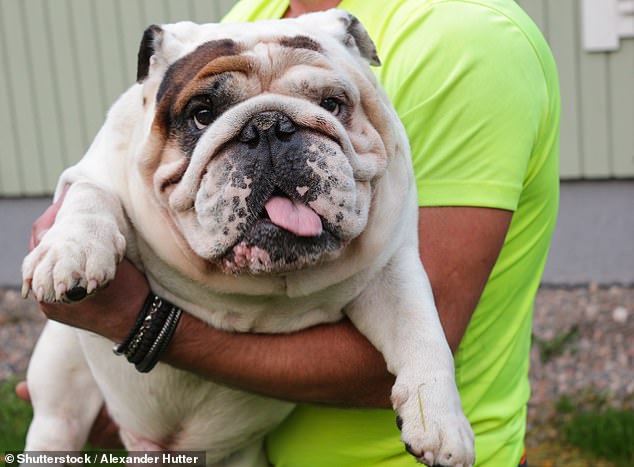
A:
x,y
63,62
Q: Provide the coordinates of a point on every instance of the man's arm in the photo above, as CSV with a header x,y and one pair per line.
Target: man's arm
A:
x,y
330,363
459,247
335,363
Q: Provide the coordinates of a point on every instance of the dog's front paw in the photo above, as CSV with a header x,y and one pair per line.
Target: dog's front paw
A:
x,y
433,426
73,261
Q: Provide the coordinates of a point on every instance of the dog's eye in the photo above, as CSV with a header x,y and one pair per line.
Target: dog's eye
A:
x,y
203,117
332,105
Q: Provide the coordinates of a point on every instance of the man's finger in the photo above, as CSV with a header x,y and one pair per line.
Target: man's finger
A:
x,y
22,391
45,221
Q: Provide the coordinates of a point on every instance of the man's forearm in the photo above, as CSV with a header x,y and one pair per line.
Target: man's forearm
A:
x,y
330,363
348,371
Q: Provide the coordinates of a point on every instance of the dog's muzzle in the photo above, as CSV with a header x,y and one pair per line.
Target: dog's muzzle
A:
x,y
270,132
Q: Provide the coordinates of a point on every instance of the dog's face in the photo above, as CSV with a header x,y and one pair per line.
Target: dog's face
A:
x,y
266,139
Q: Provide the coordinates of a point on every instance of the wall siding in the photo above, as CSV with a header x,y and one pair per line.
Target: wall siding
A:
x,y
597,95
64,63
621,75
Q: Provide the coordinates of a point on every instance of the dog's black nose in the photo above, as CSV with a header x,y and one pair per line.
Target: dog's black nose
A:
x,y
271,125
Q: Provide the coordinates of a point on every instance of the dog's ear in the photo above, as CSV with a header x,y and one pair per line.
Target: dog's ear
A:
x,y
347,29
356,35
150,43
160,46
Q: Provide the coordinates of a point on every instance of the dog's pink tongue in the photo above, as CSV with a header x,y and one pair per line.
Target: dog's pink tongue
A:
x,y
294,217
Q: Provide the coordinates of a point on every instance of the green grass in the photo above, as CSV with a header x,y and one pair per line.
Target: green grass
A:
x,y
15,416
589,422
549,349
608,434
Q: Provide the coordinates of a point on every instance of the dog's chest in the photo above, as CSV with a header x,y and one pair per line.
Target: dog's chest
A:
x,y
264,314
257,305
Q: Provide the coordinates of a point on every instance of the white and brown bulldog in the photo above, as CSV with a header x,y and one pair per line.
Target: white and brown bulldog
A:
x,y
261,179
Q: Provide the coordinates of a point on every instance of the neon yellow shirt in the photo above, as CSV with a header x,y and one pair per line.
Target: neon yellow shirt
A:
x,y
476,87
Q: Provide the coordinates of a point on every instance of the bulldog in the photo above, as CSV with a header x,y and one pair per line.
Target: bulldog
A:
x,y
261,179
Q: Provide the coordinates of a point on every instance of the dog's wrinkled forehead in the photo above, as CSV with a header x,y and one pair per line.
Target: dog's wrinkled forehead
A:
x,y
162,46
224,72
205,61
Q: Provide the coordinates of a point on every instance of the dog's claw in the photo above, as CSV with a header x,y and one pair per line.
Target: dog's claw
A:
x,y
92,286
409,449
26,288
399,422
59,291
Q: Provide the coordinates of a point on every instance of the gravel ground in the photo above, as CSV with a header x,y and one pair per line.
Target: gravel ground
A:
x,y
589,333
583,347
20,324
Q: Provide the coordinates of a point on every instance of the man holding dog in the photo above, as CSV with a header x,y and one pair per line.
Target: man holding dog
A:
x,y
476,88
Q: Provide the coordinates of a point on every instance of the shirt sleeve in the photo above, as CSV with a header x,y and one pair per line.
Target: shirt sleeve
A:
x,y
471,93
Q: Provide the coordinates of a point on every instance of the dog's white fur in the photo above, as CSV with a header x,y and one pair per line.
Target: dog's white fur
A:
x,y
377,281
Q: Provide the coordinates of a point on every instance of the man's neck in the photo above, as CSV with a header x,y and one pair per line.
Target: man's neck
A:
x,y
299,7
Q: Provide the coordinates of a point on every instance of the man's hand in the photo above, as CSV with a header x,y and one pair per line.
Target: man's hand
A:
x,y
45,221
110,312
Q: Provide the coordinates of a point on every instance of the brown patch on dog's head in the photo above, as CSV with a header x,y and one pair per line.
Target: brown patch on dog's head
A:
x,y
301,42
180,75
